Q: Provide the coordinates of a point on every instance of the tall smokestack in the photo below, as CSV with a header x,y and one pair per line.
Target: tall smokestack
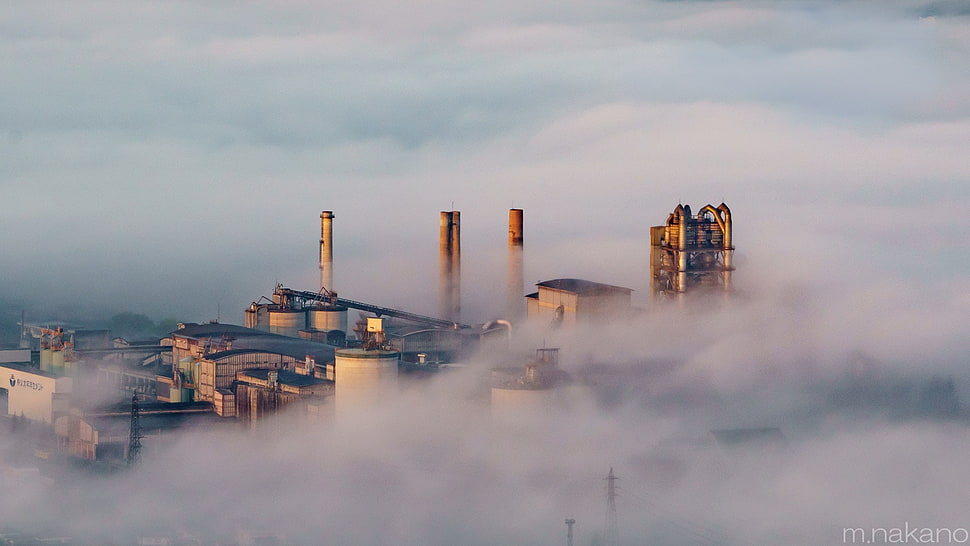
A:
x,y
449,277
515,285
326,249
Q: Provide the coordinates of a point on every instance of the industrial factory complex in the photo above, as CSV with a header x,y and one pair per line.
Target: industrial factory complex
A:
x,y
318,355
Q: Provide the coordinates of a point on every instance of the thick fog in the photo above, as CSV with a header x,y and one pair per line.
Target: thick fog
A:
x,y
172,159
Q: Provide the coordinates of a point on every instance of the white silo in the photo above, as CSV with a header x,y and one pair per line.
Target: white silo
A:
x,y
364,378
327,317
287,322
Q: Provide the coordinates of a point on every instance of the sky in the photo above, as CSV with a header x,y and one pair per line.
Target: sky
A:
x,y
172,159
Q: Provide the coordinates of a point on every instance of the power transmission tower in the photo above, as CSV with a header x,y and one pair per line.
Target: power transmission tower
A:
x,y
612,528
569,534
134,433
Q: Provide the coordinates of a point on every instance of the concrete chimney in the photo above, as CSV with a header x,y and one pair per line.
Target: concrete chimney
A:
x,y
514,301
449,277
515,227
326,249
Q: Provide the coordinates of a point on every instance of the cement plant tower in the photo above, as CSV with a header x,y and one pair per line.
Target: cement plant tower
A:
x,y
691,253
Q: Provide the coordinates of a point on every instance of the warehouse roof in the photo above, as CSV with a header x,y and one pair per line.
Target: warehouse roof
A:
x,y
285,377
296,348
215,329
580,286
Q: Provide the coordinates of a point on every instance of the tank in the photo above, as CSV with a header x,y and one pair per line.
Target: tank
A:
x,y
57,362
331,317
519,403
251,316
287,322
363,378
46,360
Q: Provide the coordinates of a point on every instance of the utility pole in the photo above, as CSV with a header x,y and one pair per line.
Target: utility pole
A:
x,y
569,534
612,528
134,433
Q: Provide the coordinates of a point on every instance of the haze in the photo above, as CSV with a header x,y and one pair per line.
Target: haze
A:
x,y
172,159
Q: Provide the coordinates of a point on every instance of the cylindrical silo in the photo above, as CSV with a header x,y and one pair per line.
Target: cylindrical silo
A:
x,y
57,362
287,322
511,404
362,378
45,359
327,318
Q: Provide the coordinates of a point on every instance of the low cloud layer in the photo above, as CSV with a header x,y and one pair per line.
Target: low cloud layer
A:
x,y
172,160
180,154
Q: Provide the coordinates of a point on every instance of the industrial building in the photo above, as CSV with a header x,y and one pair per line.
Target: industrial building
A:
x,y
692,252
34,394
209,357
103,434
261,393
571,301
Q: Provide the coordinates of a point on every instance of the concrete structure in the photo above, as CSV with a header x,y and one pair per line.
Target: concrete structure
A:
x,y
515,284
363,378
34,394
287,322
208,357
307,315
518,392
261,393
103,434
19,356
691,253
449,276
326,249
568,301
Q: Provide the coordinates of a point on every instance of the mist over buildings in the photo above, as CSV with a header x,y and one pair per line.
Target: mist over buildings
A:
x,y
172,159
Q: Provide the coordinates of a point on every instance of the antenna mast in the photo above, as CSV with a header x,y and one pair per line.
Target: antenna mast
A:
x,y
134,433
612,528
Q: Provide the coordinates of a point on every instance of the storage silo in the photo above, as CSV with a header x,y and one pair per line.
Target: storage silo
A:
x,y
524,393
287,322
363,378
57,362
46,359
327,317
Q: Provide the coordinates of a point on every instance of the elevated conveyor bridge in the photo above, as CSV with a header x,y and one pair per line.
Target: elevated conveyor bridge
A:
x,y
326,296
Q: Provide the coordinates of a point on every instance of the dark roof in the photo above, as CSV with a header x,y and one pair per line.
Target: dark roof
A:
x,y
282,345
216,329
150,408
285,377
26,368
580,286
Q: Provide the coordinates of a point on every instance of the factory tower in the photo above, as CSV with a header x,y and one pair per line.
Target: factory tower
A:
x,y
449,276
515,283
691,252
326,249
